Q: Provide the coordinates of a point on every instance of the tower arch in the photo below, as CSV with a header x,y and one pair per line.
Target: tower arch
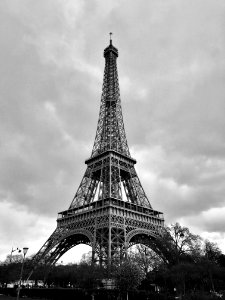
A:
x,y
140,234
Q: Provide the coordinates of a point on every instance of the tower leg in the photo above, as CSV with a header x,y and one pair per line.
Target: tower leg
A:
x,y
100,254
125,245
94,246
93,255
109,248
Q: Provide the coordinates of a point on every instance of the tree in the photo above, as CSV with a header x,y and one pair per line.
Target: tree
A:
x,y
9,272
177,244
90,275
16,258
145,258
128,276
189,263
212,253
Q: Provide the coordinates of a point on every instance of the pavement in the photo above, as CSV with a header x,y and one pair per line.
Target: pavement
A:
x,y
3,297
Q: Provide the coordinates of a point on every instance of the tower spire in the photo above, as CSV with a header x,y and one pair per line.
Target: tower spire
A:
x,y
110,133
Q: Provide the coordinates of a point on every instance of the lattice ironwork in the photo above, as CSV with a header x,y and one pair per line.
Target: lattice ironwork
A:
x,y
110,133
110,206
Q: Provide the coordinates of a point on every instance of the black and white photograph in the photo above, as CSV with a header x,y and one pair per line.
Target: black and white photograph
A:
x,y
112,149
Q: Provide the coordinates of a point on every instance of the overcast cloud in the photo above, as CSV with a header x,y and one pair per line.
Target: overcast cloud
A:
x,y
172,72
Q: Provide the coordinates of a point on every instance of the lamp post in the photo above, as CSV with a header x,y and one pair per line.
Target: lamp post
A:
x,y
25,249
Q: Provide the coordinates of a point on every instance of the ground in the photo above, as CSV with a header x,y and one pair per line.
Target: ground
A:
x,y
3,297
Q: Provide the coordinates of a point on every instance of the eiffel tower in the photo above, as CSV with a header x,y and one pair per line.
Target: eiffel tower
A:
x,y
110,210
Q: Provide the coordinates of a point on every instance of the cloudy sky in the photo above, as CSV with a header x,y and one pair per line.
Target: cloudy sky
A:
x,y
172,72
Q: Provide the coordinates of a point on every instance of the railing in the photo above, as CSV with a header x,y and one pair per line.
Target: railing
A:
x,y
101,204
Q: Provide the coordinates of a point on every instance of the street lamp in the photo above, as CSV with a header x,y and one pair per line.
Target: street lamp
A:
x,y
25,249
13,250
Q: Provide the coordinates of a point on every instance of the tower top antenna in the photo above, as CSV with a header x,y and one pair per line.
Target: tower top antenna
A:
x,y
110,34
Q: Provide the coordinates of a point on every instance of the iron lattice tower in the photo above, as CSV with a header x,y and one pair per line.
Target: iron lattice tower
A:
x,y
110,210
